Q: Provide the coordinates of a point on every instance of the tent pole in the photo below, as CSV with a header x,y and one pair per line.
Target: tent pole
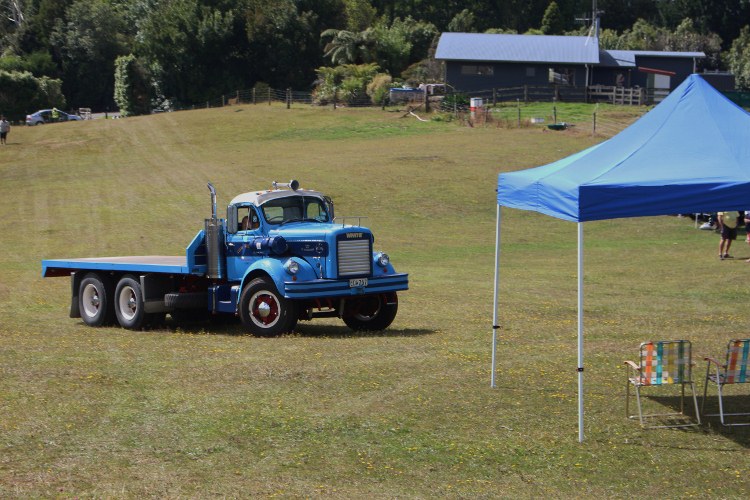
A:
x,y
495,325
580,332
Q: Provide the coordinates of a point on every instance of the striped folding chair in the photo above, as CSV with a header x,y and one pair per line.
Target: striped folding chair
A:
x,y
662,363
734,371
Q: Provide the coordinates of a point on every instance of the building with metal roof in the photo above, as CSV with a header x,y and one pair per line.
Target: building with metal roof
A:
x,y
480,62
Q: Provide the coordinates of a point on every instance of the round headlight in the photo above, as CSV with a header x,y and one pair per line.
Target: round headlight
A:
x,y
291,266
383,259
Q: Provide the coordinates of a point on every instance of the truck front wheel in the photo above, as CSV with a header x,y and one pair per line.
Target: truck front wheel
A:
x,y
95,300
129,303
264,312
372,312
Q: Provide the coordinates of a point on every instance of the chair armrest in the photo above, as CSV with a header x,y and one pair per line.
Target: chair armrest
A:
x,y
712,360
633,366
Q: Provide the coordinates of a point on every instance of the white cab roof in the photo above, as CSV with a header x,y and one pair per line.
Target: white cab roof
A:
x,y
257,198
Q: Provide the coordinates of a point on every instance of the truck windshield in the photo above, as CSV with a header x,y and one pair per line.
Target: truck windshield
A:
x,y
294,209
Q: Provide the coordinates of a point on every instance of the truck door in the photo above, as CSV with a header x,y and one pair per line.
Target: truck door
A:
x,y
240,254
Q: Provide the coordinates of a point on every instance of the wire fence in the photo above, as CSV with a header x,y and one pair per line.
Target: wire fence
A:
x,y
501,108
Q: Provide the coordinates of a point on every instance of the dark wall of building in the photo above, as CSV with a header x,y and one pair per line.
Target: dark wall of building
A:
x,y
468,76
682,67
473,77
724,82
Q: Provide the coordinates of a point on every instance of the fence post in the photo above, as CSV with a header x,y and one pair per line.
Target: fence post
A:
x,y
269,95
208,105
593,132
518,105
526,94
334,98
288,97
494,97
426,101
253,96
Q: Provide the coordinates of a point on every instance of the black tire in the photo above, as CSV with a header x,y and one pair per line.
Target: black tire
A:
x,y
371,313
129,304
191,300
264,312
96,300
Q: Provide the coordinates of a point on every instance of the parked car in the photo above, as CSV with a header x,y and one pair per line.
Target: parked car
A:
x,y
46,116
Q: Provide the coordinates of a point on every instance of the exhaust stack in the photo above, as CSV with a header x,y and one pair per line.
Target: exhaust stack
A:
x,y
215,261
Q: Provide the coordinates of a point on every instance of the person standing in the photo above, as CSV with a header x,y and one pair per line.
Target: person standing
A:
x,y
4,129
728,226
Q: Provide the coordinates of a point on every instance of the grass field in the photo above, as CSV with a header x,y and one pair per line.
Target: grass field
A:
x,y
212,412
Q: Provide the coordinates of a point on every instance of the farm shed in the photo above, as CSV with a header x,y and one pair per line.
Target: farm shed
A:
x,y
478,62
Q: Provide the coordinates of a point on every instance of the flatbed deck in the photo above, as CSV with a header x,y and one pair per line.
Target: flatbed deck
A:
x,y
136,264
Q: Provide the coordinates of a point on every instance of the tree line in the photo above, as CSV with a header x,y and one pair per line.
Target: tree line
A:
x,y
143,54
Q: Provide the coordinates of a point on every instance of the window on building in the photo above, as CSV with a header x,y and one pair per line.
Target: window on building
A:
x,y
477,70
562,76
530,72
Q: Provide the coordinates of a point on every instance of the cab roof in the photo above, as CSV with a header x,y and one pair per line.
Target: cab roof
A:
x,y
257,198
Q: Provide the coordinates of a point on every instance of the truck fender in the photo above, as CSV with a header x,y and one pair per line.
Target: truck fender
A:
x,y
269,267
274,269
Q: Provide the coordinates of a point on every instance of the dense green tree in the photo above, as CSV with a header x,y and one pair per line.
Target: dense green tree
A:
x,y
195,52
739,58
133,88
347,47
284,35
360,15
552,23
463,22
22,93
87,44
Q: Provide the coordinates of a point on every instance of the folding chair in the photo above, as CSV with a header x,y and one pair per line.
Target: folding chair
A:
x,y
734,371
662,363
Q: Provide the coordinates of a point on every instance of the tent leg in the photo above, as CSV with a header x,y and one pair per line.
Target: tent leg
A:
x,y
495,325
580,332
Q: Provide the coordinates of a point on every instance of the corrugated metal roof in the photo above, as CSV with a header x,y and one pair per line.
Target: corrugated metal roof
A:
x,y
626,58
518,48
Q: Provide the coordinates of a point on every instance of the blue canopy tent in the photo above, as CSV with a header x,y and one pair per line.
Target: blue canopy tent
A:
x,y
689,154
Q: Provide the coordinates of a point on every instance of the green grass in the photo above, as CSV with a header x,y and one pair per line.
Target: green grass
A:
x,y
206,412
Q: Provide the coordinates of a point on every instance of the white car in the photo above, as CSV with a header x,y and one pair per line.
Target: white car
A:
x,y
45,116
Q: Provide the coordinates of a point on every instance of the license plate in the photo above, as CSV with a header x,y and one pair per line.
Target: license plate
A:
x,y
357,282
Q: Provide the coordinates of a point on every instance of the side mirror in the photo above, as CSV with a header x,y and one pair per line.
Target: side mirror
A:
x,y
232,224
329,207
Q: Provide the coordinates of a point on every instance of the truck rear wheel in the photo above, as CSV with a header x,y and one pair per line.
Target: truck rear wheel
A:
x,y
372,312
95,300
264,312
129,303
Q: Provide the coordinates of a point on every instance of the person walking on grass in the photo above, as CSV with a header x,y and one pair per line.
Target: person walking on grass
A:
x,y
4,129
728,226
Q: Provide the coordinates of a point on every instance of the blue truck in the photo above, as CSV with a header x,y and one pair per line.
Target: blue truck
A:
x,y
280,256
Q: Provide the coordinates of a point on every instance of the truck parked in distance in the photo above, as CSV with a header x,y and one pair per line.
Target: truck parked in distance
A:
x,y
277,258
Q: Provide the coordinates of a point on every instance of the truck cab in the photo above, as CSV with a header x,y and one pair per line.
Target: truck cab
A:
x,y
288,258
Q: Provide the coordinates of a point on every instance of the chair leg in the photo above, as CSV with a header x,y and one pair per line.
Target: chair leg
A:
x,y
627,398
705,392
695,402
721,404
640,409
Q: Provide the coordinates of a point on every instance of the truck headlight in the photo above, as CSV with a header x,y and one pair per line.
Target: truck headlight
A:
x,y
382,259
291,266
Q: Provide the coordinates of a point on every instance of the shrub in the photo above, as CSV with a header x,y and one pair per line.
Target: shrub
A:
x,y
379,87
22,93
133,93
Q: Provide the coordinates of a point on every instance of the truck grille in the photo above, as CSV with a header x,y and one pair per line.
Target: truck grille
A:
x,y
354,257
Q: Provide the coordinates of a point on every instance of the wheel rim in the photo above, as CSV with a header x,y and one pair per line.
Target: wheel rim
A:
x,y
368,310
91,301
128,303
264,309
